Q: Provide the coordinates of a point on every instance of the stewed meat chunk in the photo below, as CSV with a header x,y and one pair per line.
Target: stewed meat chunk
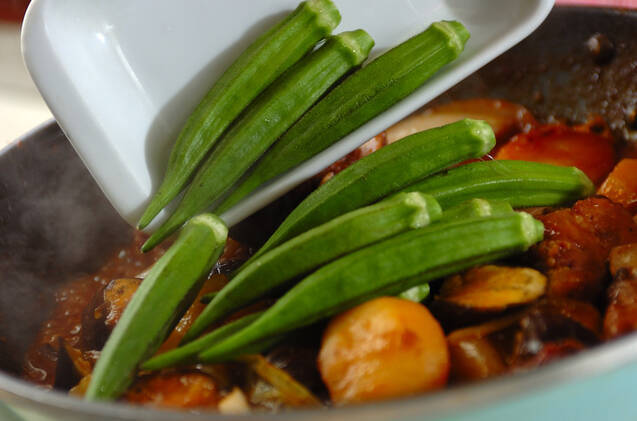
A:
x,y
576,245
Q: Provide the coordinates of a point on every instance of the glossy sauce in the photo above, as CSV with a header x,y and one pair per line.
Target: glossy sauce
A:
x,y
71,300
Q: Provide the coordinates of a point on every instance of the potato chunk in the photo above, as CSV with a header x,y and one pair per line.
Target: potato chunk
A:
x,y
381,349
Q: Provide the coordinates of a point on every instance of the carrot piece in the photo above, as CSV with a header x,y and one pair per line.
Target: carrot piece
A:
x,y
561,145
621,184
175,390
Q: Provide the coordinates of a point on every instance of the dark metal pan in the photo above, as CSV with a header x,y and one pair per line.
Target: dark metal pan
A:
x,y
55,224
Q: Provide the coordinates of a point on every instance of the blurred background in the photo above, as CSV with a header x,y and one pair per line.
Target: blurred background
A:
x,y
21,107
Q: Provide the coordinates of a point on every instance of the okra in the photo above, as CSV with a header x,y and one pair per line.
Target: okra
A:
x,y
163,296
254,70
316,247
386,171
416,294
520,183
473,208
265,120
361,97
399,263
187,354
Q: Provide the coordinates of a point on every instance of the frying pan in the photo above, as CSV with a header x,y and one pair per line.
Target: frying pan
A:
x,y
56,225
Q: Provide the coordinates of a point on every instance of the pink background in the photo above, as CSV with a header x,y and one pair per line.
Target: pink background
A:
x,y
615,3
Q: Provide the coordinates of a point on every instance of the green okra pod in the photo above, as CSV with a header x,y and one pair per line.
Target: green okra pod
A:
x,y
520,183
162,298
256,68
387,170
473,208
416,294
187,354
361,97
316,247
264,121
387,267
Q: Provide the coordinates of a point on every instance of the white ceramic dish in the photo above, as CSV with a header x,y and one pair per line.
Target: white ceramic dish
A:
x,y
122,76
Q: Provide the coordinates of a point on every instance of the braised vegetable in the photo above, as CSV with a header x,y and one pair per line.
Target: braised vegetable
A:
x,y
367,93
580,312
381,349
105,310
547,332
470,209
621,313
504,117
234,403
264,121
384,172
623,261
256,68
556,144
384,268
187,354
518,182
289,391
416,294
157,305
488,288
621,184
214,282
474,358
185,390
474,208
548,329
473,355
316,247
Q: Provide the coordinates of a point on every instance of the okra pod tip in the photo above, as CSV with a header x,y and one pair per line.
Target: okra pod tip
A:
x,y
455,32
532,229
587,186
212,222
326,12
426,208
481,131
358,44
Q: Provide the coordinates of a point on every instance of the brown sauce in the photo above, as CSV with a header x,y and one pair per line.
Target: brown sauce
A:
x,y
65,321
